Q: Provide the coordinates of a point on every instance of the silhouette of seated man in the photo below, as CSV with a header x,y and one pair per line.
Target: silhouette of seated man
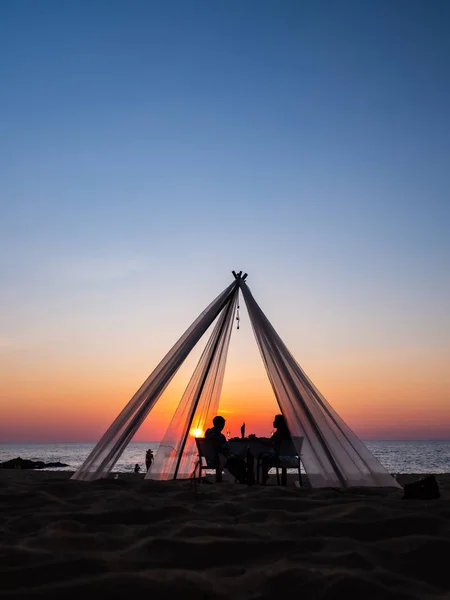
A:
x,y
279,439
234,464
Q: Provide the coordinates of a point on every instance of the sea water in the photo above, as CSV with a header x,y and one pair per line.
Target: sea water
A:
x,y
396,456
74,454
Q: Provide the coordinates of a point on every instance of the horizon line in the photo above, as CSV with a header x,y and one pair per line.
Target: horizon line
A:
x,y
159,441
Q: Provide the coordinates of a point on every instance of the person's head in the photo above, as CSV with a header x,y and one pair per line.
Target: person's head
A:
x,y
219,422
279,422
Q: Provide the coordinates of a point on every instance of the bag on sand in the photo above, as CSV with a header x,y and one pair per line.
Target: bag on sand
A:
x,y
424,489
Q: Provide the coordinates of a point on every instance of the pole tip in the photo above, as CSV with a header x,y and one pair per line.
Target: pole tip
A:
x,y
239,275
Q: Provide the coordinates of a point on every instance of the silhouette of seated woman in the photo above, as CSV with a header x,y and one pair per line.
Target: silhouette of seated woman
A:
x,y
280,435
234,464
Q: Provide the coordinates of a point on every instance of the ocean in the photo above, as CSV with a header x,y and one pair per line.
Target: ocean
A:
x,y
395,456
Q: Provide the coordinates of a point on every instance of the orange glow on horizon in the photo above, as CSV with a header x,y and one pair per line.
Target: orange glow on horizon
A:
x,y
55,397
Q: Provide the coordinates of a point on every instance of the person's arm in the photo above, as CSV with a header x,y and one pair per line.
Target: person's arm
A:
x,y
223,445
276,442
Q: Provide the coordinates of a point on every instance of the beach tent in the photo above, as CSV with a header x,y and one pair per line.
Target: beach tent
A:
x,y
332,455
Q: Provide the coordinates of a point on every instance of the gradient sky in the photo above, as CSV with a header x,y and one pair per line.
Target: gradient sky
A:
x,y
148,148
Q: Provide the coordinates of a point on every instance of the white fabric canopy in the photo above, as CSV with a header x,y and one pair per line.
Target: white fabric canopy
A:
x,y
177,453
332,454
109,449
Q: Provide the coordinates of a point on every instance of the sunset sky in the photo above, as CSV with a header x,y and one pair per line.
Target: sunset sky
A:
x,y
148,148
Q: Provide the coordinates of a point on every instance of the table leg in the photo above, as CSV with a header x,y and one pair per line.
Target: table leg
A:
x,y
250,468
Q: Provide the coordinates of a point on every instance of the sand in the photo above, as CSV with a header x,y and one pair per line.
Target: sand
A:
x,y
132,538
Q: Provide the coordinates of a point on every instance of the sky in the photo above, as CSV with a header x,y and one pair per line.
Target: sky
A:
x,y
149,148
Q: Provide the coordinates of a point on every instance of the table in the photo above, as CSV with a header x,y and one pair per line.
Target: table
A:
x,y
250,449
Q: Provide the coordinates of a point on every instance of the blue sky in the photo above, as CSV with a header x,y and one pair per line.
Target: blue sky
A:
x,y
148,148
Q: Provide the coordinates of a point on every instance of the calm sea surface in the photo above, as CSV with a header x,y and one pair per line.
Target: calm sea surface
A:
x,y
396,456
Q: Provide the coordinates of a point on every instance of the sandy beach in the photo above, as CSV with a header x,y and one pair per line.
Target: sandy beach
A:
x,y
64,538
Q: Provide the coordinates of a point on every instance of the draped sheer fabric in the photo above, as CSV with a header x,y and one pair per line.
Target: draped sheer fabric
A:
x,y
114,441
332,455
177,453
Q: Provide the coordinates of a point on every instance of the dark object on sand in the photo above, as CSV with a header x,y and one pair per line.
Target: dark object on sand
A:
x,y
22,463
424,489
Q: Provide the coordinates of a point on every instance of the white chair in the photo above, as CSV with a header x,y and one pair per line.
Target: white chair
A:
x,y
208,458
289,457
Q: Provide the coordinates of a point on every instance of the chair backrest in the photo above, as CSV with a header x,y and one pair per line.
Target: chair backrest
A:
x,y
207,450
286,448
292,447
298,443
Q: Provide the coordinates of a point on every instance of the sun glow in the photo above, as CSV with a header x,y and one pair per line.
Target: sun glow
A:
x,y
197,432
